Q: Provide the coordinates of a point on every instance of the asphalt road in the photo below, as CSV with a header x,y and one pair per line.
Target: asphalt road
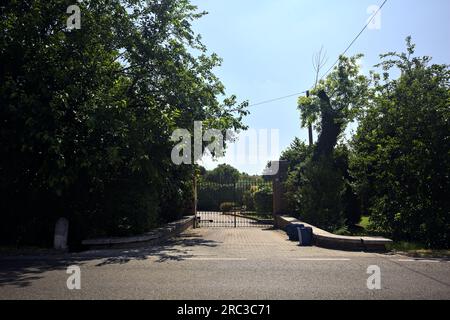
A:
x,y
224,264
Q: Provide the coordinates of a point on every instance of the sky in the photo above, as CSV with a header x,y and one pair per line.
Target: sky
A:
x,y
267,48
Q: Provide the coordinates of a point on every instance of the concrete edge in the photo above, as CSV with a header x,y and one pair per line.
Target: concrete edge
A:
x,y
151,238
328,240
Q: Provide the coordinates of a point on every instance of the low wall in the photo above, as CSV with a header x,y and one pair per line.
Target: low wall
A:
x,y
328,240
151,238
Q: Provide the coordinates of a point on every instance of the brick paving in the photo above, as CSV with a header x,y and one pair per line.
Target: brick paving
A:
x,y
253,243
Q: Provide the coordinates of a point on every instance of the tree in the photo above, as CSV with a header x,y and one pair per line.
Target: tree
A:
x,y
318,188
319,61
401,162
297,154
336,101
87,115
224,173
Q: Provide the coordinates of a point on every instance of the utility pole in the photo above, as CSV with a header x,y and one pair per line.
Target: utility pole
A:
x,y
310,129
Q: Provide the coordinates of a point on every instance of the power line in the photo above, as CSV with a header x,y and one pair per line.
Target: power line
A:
x,y
356,38
334,64
277,99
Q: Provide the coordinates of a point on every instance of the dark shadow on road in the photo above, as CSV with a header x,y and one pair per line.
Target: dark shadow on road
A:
x,y
22,271
176,249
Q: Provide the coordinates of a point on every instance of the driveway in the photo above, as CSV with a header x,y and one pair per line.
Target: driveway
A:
x,y
225,264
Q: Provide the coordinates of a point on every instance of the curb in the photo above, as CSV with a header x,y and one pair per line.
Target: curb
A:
x,y
325,239
151,238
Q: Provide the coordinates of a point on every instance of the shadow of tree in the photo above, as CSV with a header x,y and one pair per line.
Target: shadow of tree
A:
x,y
22,271
175,249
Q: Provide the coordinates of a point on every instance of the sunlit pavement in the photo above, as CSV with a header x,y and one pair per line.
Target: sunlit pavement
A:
x,y
225,264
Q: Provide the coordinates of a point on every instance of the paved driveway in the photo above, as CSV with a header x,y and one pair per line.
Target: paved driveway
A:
x,y
225,264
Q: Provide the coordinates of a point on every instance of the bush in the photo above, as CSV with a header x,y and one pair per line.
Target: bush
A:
x,y
227,207
263,200
401,160
211,195
248,200
320,196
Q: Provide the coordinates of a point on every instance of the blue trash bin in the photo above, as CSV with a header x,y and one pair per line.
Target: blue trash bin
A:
x,y
305,236
292,232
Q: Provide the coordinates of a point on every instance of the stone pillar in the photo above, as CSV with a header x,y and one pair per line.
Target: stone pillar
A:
x,y
279,200
61,233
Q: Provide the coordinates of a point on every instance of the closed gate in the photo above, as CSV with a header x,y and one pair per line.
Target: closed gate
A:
x,y
241,204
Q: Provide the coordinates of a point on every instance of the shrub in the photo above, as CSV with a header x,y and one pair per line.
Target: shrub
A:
x,y
227,206
248,200
401,160
263,200
211,195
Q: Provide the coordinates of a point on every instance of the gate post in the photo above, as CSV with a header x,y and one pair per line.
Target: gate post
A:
x,y
279,191
234,206
194,180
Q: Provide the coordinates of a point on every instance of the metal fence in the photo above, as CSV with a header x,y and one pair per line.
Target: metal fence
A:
x,y
244,203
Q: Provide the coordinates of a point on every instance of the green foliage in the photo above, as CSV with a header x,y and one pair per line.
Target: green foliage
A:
x,y
401,159
346,89
227,207
87,115
318,184
343,231
297,154
320,195
397,169
248,199
263,200
224,173
210,195
351,202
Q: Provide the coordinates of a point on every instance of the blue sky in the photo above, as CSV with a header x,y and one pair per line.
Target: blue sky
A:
x,y
267,47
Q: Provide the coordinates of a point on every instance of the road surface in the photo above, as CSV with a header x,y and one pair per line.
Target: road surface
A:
x,y
219,263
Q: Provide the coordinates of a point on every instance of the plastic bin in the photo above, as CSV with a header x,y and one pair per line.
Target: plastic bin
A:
x,y
292,232
305,236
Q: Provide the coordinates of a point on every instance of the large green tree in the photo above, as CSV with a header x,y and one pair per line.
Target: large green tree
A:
x,y
401,159
87,115
224,173
318,185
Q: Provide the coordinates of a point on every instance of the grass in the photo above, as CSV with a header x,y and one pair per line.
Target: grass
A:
x,y
361,229
412,249
258,216
417,250
364,223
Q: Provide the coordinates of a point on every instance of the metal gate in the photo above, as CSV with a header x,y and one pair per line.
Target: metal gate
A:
x,y
242,204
